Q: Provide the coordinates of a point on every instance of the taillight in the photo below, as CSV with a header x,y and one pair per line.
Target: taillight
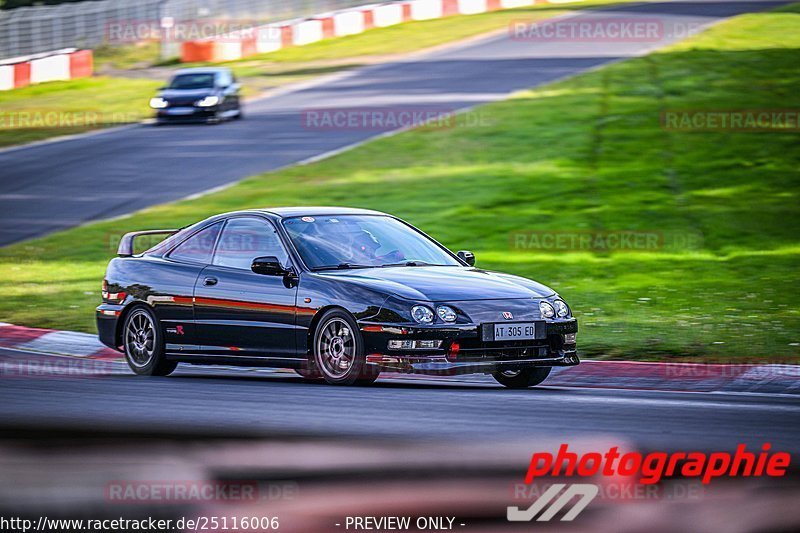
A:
x,y
113,297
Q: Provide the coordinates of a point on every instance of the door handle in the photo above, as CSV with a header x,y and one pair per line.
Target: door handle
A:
x,y
210,281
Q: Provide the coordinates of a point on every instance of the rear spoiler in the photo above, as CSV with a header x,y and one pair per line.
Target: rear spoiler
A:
x,y
126,243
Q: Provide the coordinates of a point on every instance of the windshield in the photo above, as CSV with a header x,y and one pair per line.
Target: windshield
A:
x,y
192,81
361,241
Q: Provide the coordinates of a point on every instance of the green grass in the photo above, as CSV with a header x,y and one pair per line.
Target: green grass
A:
x,y
67,107
584,154
52,109
128,56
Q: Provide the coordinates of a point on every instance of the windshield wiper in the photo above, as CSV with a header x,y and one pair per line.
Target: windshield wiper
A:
x,y
409,264
342,266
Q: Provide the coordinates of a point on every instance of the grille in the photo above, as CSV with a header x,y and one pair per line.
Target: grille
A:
x,y
478,350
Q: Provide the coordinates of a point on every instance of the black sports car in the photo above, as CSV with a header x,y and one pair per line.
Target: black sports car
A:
x,y
198,95
338,294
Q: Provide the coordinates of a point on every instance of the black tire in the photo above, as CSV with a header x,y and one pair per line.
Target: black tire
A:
x,y
239,115
522,379
338,350
367,378
144,344
308,374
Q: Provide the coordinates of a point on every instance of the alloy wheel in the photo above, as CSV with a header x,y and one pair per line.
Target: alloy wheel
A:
x,y
336,347
140,343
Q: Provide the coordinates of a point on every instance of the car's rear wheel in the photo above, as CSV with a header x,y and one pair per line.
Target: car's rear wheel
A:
x,y
339,350
144,344
524,378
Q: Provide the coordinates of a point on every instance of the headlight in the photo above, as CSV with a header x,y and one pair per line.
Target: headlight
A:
x,y
447,314
546,310
422,314
562,309
208,101
158,103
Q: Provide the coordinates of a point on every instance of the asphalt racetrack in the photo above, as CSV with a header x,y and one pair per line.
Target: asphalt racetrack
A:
x,y
209,401
57,185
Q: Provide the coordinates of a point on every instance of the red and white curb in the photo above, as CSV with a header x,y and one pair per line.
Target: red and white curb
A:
x,y
351,21
58,65
49,341
674,377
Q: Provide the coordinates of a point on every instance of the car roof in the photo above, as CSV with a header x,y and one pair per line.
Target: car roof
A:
x,y
302,211
287,212
201,70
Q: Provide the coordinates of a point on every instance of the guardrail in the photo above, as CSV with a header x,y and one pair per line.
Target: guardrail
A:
x,y
350,21
66,64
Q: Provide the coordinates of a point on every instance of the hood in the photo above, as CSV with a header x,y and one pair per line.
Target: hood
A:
x,y
186,94
442,284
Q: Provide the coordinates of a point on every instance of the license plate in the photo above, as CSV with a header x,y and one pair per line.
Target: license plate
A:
x,y
180,110
518,331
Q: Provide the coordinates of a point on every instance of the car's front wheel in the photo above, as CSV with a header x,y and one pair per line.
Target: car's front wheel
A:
x,y
522,379
339,350
308,374
144,344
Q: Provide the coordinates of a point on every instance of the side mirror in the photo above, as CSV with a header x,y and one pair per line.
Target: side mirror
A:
x,y
467,257
268,266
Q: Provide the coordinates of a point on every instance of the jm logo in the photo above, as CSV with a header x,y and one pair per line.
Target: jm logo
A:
x,y
586,492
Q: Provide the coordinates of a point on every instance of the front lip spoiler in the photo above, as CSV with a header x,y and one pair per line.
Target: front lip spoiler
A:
x,y
440,364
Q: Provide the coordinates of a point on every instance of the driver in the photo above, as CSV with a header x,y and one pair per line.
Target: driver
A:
x,y
365,246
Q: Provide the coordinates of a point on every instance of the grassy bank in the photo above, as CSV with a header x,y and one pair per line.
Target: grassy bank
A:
x,y
117,96
716,277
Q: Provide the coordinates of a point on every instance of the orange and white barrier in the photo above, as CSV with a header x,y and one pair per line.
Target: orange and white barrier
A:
x,y
426,9
269,38
50,68
510,4
384,15
6,77
351,21
348,23
307,32
59,65
472,7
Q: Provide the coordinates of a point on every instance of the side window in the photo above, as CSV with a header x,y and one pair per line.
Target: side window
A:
x,y
244,239
223,79
199,247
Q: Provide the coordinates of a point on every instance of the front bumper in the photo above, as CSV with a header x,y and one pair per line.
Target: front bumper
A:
x,y
187,114
472,355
